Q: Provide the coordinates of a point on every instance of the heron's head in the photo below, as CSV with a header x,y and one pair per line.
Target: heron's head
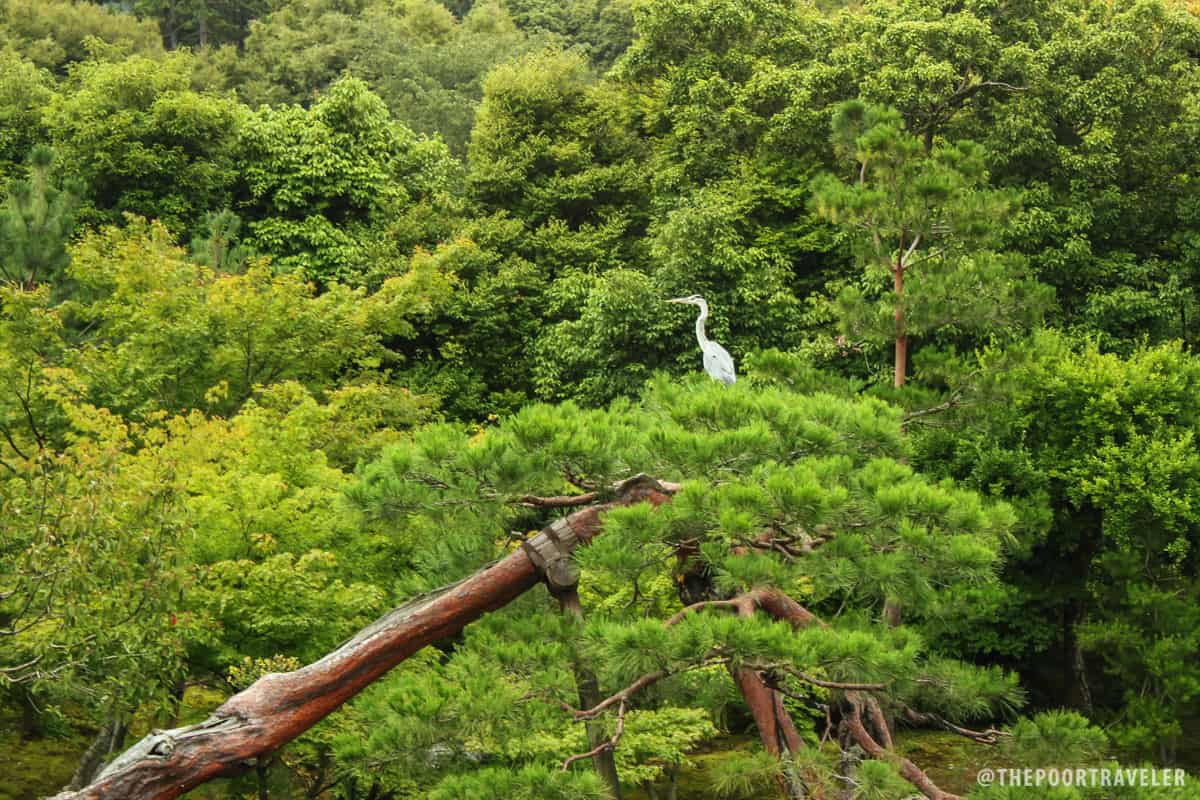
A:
x,y
690,300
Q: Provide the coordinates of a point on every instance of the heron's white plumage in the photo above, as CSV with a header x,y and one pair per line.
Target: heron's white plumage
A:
x,y
717,361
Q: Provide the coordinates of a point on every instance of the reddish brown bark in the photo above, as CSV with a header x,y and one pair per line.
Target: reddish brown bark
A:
x,y
279,707
908,770
775,727
782,607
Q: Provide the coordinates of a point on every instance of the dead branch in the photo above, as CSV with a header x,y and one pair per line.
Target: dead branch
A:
x,y
609,745
990,736
558,501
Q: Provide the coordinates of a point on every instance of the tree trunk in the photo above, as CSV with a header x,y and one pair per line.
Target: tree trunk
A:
x,y
281,706
1079,693
172,28
907,769
775,727
589,697
1087,524
901,337
92,760
31,722
260,774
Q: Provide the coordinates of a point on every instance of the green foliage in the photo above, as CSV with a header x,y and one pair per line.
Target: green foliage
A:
x,y
57,33
611,350
24,91
427,66
1055,738
202,22
101,517
601,28
654,742
282,604
145,542
144,142
35,224
544,148
217,244
925,223
812,466
167,334
745,775
1103,139
406,220
1108,444
321,182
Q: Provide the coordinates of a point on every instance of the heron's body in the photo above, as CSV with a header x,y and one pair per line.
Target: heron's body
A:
x,y
717,361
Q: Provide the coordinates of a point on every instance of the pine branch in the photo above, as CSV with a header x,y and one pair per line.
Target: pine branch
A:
x,y
695,607
611,744
990,736
821,682
938,409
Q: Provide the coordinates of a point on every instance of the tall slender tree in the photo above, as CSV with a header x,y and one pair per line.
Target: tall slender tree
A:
x,y
927,224
36,221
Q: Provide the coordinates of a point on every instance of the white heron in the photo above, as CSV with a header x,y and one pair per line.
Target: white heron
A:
x,y
717,361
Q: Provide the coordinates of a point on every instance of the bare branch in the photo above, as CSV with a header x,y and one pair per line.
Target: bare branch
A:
x,y
908,253
611,744
11,443
938,409
621,697
558,501
990,736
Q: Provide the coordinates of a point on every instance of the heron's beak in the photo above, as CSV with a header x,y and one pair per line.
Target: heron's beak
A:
x,y
680,300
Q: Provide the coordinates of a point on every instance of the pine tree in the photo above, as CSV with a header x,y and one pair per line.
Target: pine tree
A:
x,y
928,224
36,221
754,569
217,245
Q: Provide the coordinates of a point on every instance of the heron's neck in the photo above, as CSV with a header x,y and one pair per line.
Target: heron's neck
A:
x,y
700,337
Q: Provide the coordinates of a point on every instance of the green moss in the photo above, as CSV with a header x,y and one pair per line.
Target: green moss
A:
x,y
695,779
950,761
35,768
198,703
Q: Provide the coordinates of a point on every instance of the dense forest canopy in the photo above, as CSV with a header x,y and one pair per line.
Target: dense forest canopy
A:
x,y
311,307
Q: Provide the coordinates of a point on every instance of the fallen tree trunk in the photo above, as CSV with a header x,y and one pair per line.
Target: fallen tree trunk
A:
x,y
277,708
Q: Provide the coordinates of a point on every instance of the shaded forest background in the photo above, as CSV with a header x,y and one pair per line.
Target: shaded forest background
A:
x,y
301,296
